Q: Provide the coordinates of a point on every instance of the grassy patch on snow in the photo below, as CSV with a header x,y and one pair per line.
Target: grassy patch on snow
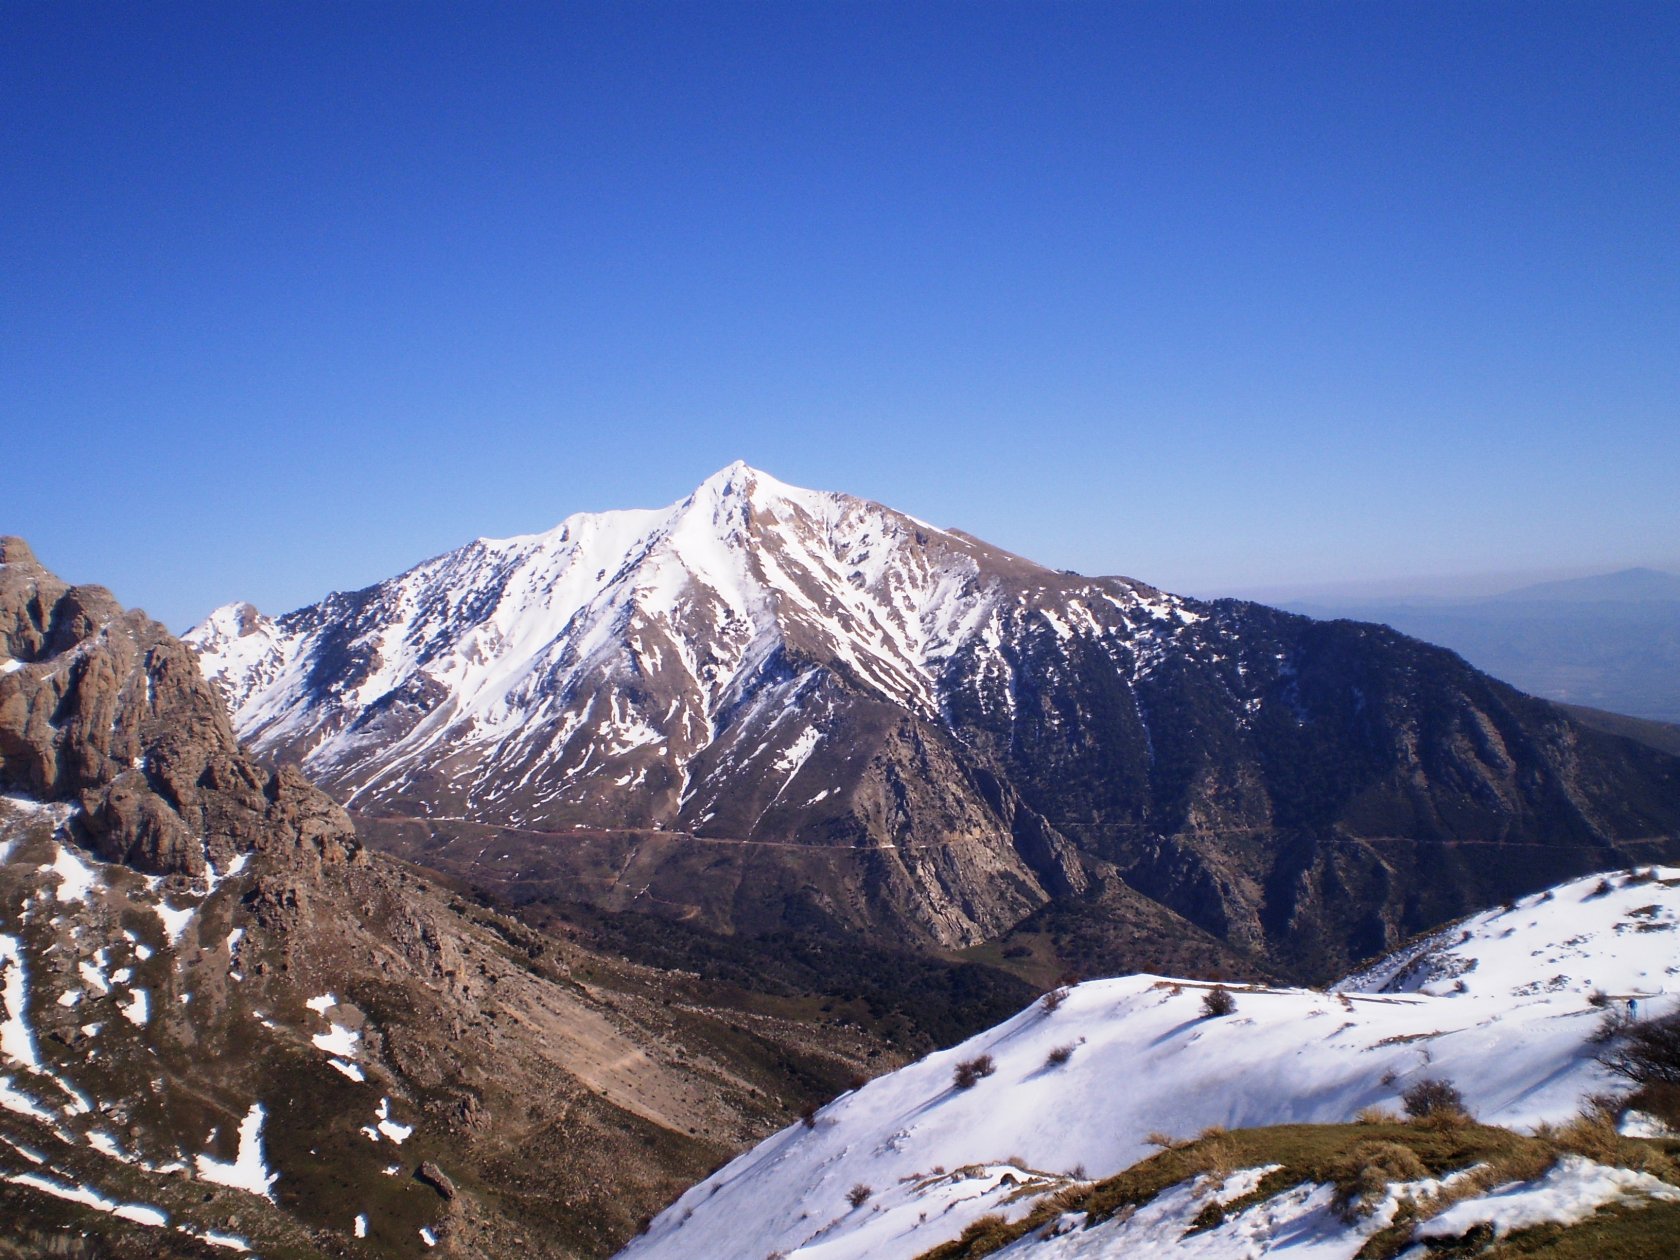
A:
x,y
1355,1158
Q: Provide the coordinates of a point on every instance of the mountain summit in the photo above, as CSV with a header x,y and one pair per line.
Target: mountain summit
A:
x,y
530,673
766,705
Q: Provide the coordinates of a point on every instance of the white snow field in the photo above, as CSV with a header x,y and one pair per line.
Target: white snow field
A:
x,y
1503,1005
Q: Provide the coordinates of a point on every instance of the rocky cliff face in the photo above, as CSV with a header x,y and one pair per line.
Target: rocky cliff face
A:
x,y
106,710
901,730
226,1025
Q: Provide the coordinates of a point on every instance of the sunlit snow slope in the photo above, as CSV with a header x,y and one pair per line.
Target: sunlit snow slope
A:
x,y
1498,1005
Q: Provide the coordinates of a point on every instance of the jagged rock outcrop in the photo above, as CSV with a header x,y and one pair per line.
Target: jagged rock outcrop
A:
x,y
107,710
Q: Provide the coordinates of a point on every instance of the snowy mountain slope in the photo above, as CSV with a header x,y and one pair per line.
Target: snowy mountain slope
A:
x,y
1502,1006
690,604
936,736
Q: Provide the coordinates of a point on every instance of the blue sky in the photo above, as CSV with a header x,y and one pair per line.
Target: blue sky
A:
x,y
1221,296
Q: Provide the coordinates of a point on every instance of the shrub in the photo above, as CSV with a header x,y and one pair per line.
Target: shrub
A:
x,y
1647,1053
1433,1099
1660,1100
1218,1001
1052,1001
1610,1026
1598,998
967,1074
859,1194
808,1115
1058,1056
1604,889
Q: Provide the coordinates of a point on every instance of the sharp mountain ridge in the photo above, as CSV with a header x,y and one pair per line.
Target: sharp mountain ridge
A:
x,y
766,706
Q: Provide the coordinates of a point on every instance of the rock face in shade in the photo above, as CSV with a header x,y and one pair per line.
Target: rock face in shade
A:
x,y
766,705
221,1016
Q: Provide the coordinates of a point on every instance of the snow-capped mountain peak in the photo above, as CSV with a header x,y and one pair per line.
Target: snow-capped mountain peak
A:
x,y
493,657
900,728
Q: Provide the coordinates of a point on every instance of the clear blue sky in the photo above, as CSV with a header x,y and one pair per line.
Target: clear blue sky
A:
x,y
1216,295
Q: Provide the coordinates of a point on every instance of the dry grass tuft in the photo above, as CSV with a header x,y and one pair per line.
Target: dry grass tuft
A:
x,y
1215,1157
1593,1134
1362,1176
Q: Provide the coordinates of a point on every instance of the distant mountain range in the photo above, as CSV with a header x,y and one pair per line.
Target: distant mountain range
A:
x,y
227,1027
1607,642
766,707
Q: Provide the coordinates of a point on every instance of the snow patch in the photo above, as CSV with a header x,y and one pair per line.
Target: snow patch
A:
x,y
174,921
17,1039
248,1170
1572,1191
340,1041
397,1133
75,879
139,1213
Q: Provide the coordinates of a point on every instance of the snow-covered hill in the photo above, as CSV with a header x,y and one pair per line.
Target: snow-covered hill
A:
x,y
1505,1006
